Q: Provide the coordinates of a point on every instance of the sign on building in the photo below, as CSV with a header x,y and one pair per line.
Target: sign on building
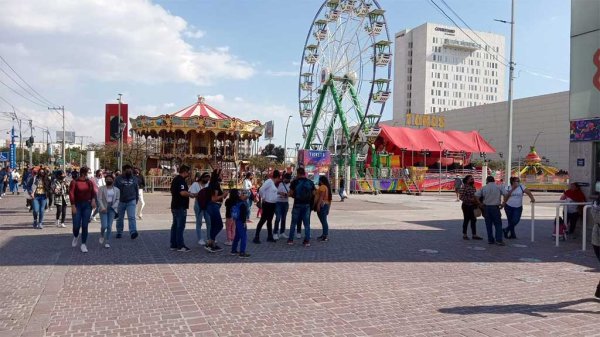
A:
x,y
69,137
424,120
269,130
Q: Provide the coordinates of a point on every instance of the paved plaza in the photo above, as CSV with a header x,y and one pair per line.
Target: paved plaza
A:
x,y
396,265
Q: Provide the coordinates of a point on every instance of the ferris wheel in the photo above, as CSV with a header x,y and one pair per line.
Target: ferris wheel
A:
x,y
344,76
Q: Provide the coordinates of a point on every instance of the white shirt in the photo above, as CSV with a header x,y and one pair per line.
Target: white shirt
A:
x,y
283,188
110,195
268,192
196,187
516,197
247,185
99,182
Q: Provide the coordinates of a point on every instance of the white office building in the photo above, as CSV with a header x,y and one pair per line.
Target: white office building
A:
x,y
439,68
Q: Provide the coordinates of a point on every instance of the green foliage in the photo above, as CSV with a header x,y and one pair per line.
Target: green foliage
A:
x,y
272,150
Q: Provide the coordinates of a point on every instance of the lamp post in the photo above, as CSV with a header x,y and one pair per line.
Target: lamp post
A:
x,y
441,143
285,141
519,148
120,139
501,156
297,149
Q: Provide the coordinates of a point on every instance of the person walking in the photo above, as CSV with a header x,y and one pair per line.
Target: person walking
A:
x,y
14,186
38,191
4,180
302,190
492,195
83,198
108,204
282,207
128,187
180,202
268,196
469,204
323,204
141,186
247,188
98,181
238,213
342,191
574,212
458,185
513,205
214,210
199,190
60,189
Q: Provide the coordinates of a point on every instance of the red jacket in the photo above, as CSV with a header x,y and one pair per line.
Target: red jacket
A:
x,y
81,190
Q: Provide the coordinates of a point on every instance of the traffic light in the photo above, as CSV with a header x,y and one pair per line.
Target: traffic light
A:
x,y
29,142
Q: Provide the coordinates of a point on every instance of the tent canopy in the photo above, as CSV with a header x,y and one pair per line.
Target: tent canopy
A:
x,y
396,138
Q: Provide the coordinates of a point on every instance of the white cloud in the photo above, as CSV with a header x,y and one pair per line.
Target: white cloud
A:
x,y
282,73
132,40
169,105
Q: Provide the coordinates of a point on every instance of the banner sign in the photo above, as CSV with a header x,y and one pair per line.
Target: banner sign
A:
x,y
111,126
69,137
585,130
269,130
13,156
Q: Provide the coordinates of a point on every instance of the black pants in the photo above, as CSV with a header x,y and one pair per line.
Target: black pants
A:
x,y
268,212
61,212
572,219
469,216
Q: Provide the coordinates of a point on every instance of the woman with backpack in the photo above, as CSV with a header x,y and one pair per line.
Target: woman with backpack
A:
x,y
199,191
323,203
214,210
513,205
238,209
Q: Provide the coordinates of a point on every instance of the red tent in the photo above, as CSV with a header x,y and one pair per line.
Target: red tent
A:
x,y
414,141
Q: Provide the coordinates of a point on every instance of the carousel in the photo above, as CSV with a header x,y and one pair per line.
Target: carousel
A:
x,y
198,135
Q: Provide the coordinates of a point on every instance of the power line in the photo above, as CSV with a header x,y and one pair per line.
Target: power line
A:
x,y
24,89
18,93
26,83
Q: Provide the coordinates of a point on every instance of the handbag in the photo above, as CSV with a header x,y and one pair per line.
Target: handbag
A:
x,y
477,212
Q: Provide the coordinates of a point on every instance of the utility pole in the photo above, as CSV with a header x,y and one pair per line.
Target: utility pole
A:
x,y
81,149
64,158
30,142
120,144
511,65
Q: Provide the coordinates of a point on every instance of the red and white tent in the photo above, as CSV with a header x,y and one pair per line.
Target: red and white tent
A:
x,y
200,109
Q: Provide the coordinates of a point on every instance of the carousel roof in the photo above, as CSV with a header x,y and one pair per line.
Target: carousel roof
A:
x,y
200,109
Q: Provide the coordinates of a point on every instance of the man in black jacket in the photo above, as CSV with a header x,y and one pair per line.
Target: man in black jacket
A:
x,y
128,187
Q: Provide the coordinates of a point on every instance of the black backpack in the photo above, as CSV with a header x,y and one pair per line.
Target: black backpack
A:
x,y
203,198
304,191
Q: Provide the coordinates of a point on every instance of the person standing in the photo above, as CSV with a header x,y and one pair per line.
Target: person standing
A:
x,y
268,196
323,202
108,205
180,202
141,187
469,204
342,191
247,188
492,195
128,187
302,190
98,181
38,191
282,207
199,190
574,212
214,210
238,213
513,205
83,199
458,185
60,189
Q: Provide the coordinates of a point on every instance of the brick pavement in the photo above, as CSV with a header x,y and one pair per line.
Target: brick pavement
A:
x,y
395,266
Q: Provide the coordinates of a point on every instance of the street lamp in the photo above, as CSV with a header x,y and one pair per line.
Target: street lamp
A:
x,y
285,141
441,143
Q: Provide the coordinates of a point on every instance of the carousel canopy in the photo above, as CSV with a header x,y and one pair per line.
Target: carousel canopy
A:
x,y
200,109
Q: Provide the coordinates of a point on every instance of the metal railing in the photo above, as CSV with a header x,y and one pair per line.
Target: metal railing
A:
x,y
562,204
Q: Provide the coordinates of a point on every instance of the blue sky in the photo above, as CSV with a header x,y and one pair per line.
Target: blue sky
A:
x,y
242,54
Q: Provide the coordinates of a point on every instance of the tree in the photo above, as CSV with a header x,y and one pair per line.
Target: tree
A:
x,y
272,150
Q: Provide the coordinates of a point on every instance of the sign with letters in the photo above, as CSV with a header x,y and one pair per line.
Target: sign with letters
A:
x,y
424,120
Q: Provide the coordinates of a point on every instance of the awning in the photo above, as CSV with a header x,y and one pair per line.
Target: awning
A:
x,y
396,138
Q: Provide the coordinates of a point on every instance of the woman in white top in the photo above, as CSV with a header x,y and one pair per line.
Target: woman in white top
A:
x,y
513,205
200,183
282,207
108,204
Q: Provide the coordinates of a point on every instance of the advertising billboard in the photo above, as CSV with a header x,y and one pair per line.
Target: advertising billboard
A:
x,y
111,126
269,130
69,137
315,163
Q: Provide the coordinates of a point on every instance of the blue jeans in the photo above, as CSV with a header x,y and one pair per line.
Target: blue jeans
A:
x,y
300,214
281,210
96,210
493,218
106,222
249,203
513,216
200,214
81,220
128,206
39,208
216,222
14,186
323,213
240,236
178,227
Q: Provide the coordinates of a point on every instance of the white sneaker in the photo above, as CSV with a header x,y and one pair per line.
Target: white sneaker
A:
x,y
106,245
94,219
57,223
298,236
62,225
228,243
101,240
275,236
202,242
283,236
84,248
75,241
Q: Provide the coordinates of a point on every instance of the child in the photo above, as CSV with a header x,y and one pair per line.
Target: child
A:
x,y
239,210
229,223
